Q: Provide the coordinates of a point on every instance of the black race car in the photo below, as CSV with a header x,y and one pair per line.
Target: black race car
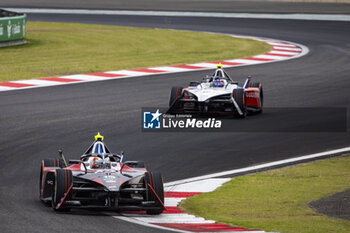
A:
x,y
100,180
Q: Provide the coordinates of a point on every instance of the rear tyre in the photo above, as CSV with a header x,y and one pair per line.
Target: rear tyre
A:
x,y
259,85
155,180
240,98
63,182
176,93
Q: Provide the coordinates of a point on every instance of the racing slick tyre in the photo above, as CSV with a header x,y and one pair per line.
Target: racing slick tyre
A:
x,y
63,184
240,98
155,192
258,85
53,163
175,94
48,163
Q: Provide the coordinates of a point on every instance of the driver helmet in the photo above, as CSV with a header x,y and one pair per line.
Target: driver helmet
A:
x,y
94,164
218,82
218,77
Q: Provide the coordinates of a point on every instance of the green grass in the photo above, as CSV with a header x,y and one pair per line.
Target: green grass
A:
x,y
277,200
65,48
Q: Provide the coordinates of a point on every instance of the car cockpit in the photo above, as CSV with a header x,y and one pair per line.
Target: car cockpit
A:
x,y
219,78
99,156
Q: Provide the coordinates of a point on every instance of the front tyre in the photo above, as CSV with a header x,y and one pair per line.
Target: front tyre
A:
x,y
240,97
175,94
155,192
63,184
53,163
47,163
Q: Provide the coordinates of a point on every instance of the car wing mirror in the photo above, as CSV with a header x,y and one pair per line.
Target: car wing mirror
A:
x,y
121,156
61,155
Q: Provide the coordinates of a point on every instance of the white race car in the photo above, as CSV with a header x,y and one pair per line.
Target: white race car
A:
x,y
217,94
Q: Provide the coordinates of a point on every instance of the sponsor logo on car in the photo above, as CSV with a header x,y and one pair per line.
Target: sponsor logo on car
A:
x,y
253,95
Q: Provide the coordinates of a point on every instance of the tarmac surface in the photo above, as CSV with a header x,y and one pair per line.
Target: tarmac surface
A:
x,y
252,6
35,123
336,206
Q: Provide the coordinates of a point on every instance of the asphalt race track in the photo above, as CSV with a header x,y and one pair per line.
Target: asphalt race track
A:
x,y
35,123
265,6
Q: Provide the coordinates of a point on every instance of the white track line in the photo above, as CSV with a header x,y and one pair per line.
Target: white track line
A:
x,y
169,69
283,53
202,186
37,82
327,17
172,202
287,48
84,77
205,65
246,61
3,88
129,73
173,218
273,57
261,166
132,220
280,44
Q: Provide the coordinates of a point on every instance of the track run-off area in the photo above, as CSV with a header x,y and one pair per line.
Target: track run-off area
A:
x,y
177,220
36,122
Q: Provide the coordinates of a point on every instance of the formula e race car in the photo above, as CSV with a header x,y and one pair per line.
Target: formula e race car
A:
x,y
100,180
217,94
